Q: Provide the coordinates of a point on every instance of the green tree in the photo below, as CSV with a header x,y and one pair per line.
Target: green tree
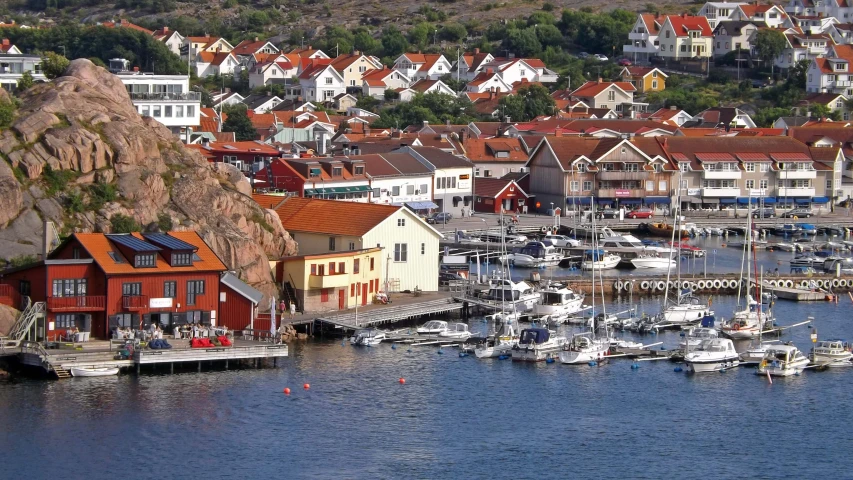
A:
x,y
393,42
367,102
239,123
26,81
769,44
54,65
7,113
124,224
528,103
766,116
453,32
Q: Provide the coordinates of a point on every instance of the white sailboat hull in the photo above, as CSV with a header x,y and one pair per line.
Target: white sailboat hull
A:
x,y
93,372
559,311
604,264
651,262
537,353
686,313
574,357
707,364
527,261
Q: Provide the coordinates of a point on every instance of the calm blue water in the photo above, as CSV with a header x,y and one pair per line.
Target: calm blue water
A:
x,y
454,418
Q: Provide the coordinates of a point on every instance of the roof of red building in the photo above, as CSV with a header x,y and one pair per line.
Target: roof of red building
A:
x,y
426,60
317,66
332,217
591,89
684,24
125,24
492,187
652,22
214,58
249,47
486,150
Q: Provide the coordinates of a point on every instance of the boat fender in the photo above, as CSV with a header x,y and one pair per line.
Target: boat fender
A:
x,y
804,283
677,369
843,283
628,285
661,285
644,285
678,284
836,282
772,283
717,284
670,284
736,327
693,286
618,285
819,283
789,284
701,284
543,229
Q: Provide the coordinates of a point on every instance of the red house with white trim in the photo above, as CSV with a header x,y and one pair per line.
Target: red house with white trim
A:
x,y
493,194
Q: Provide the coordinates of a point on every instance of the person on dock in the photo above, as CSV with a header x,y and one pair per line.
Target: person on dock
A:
x,y
282,307
292,309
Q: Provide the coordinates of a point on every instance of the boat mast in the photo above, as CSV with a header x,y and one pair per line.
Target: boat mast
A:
x,y
672,242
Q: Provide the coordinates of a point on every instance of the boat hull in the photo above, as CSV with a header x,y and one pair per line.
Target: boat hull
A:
x,y
93,372
653,263
705,366
535,354
783,370
573,357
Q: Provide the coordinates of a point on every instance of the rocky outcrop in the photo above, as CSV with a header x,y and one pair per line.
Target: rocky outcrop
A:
x,y
8,316
85,123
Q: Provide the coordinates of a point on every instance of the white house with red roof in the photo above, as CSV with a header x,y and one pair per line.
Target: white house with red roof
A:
x,y
803,46
717,12
310,52
841,33
488,81
353,66
772,16
833,73
672,116
245,49
470,64
431,86
321,82
375,82
418,66
613,95
9,48
193,45
171,38
685,36
220,63
276,70
643,38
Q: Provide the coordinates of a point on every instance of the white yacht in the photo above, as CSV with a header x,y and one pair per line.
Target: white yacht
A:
x,y
624,242
432,327
695,336
537,345
519,295
687,310
653,261
456,331
535,255
832,353
782,361
367,337
584,348
599,260
502,342
712,355
558,301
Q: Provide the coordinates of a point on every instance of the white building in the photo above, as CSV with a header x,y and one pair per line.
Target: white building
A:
x,y
643,38
321,83
732,36
452,188
165,98
417,66
772,16
684,37
832,74
13,64
717,12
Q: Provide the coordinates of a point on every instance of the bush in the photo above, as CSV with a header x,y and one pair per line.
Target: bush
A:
x,y
100,194
57,180
21,260
74,202
124,224
7,114
164,222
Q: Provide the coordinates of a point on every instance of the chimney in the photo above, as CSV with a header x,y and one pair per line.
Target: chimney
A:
x,y
205,142
673,108
165,29
599,80
356,53
355,150
476,51
135,69
448,122
558,132
6,42
367,130
683,15
426,123
396,134
257,39
309,47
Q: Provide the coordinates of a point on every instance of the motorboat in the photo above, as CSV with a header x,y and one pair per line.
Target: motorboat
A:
x,y
625,242
599,260
807,228
558,301
584,348
520,295
535,255
666,230
502,342
432,327
833,264
712,355
653,261
93,372
807,260
785,246
782,361
747,323
831,353
562,241
788,229
755,353
696,335
367,337
537,345
456,331
687,310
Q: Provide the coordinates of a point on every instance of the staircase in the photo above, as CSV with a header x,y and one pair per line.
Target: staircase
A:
x,y
61,373
25,323
289,294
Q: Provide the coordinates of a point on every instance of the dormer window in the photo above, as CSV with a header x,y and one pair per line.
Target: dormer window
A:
x,y
144,260
182,259
337,171
313,172
359,170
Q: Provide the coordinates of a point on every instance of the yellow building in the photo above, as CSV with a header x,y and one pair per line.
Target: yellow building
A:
x,y
645,79
332,281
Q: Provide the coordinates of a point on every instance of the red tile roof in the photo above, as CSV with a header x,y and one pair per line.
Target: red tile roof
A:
x,y
125,24
591,89
485,150
248,47
332,217
492,187
683,24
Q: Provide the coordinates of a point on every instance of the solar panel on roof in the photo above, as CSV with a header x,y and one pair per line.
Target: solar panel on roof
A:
x,y
167,241
133,243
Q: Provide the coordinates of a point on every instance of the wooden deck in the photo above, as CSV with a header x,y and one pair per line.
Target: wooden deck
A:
x,y
392,313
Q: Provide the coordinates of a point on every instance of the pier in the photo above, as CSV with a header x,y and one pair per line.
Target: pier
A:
x,y
408,308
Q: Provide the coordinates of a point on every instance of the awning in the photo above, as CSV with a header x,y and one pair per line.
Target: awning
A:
x,y
421,205
727,201
334,190
309,191
578,200
711,201
747,200
457,198
803,201
630,201
769,200
603,201
692,200
658,200
820,199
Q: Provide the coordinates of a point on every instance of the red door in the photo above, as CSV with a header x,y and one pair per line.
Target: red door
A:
x,y
363,294
342,299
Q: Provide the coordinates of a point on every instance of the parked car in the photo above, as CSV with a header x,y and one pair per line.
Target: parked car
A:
x,y
766,212
657,61
798,212
440,217
583,55
641,213
600,57
444,278
624,62
608,213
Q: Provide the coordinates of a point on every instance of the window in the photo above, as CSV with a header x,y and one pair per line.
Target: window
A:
x,y
144,260
765,167
632,167
331,244
182,259
410,189
356,264
67,320
179,110
352,290
337,171
191,110
650,185
654,84
684,166
750,184
342,267
377,192
750,167
395,191
371,264
401,252
194,288
667,34
24,287
69,287
359,170
587,185
829,184
328,80
169,289
168,110
684,184
313,269
575,186
762,184
424,189
582,167
332,268
423,245
324,295
131,288
401,222
156,111
146,111
611,96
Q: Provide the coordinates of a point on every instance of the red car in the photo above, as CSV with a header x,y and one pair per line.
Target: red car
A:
x,y
640,213
624,62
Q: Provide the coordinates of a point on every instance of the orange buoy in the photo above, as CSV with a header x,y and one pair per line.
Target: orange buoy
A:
x,y
287,391
306,386
402,381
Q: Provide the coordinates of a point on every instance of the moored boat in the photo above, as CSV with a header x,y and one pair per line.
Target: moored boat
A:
x,y
93,372
831,353
537,345
712,355
432,327
367,337
584,348
782,361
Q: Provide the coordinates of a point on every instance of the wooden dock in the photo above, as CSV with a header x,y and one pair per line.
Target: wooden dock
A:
x,y
390,314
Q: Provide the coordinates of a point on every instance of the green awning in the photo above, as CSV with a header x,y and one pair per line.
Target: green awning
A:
x,y
310,191
332,190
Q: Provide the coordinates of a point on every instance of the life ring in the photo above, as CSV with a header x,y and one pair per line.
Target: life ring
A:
x,y
836,282
661,285
736,327
693,287
821,283
717,284
617,286
644,285
670,284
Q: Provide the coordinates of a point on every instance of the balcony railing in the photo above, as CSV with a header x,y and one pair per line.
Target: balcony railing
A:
x,y
721,192
622,192
797,174
622,175
721,174
175,97
795,192
90,303
134,302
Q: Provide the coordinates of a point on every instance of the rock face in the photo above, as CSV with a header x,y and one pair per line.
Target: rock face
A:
x,y
8,315
79,136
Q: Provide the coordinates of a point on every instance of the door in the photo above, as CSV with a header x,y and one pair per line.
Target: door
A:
x,y
342,299
363,294
508,204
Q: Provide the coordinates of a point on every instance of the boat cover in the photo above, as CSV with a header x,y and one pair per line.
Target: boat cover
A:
x,y
534,335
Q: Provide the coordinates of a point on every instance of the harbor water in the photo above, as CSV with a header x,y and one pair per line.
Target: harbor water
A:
x,y
455,417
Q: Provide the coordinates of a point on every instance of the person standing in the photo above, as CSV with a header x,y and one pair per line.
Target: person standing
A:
x,y
292,309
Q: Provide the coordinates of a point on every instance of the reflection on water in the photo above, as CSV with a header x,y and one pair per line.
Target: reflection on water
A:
x,y
454,418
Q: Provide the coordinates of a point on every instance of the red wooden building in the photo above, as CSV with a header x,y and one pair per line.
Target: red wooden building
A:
x,y
494,194
96,282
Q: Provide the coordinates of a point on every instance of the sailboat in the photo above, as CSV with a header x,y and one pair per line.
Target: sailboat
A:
x,y
749,322
506,325
586,347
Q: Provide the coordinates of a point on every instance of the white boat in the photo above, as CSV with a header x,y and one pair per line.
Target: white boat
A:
x,y
653,261
93,372
558,301
519,295
535,255
599,260
584,348
712,355
537,345
432,327
747,323
785,246
624,242
562,241
832,353
695,336
456,331
782,361
502,342
367,337
687,310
